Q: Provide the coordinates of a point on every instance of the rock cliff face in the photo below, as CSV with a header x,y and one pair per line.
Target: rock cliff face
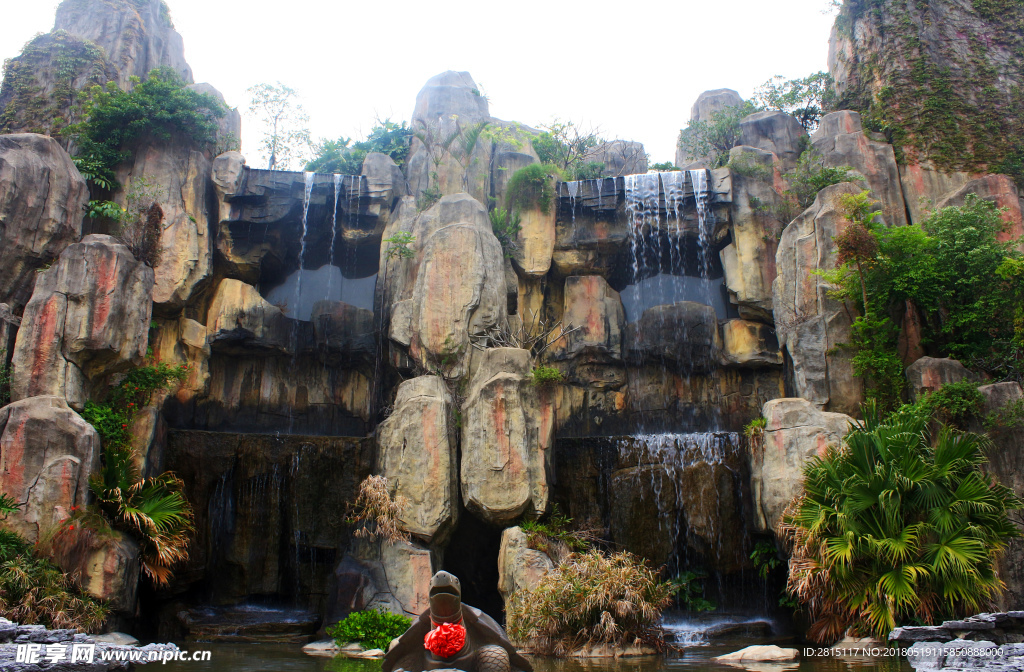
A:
x,y
944,77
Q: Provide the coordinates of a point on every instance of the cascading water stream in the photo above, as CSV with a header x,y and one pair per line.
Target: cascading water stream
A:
x,y
307,196
699,180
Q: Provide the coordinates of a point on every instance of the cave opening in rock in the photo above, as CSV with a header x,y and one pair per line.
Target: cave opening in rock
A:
x,y
472,555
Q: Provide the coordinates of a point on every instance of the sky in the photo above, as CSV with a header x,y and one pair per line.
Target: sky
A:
x,y
630,71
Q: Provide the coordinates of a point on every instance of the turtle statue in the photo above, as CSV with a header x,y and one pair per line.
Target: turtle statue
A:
x,y
451,635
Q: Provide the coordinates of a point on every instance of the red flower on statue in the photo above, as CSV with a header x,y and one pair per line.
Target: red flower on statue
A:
x,y
445,640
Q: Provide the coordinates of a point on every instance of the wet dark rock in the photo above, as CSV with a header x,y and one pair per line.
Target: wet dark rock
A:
x,y
249,624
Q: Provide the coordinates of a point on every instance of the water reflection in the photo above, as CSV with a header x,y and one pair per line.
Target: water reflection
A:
x,y
290,658
324,284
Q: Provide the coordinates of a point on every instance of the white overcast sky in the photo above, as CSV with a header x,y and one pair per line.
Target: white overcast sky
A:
x,y
631,69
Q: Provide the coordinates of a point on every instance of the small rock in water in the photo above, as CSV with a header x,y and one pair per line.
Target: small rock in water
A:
x,y
325,647
116,638
770,653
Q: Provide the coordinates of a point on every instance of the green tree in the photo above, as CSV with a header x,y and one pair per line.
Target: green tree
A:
x,y
567,146
715,137
285,124
807,99
894,526
345,157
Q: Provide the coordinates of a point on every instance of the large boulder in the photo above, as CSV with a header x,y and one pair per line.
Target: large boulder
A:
x,y
928,374
1000,190
460,292
795,432
42,203
809,322
89,317
594,315
750,344
400,574
924,185
175,176
385,186
519,566
47,453
136,36
749,259
506,438
240,320
775,132
706,105
1006,464
106,566
450,105
417,455
685,333
841,141
535,242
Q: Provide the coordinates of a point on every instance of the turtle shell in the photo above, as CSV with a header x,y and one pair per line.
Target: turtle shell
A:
x,y
408,653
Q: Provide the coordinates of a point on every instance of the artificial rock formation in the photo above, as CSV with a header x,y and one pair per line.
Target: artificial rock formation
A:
x,y
684,333
928,374
47,453
519,566
88,317
775,132
177,176
106,566
241,320
417,455
594,310
36,224
795,432
749,259
841,141
810,323
506,438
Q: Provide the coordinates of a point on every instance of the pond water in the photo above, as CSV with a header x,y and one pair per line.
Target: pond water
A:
x,y
290,658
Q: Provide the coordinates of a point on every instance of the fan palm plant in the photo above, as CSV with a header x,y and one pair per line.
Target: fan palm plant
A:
x,y
153,510
895,526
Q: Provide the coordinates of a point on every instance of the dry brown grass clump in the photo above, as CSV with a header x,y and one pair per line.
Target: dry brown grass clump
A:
x,y
378,513
591,598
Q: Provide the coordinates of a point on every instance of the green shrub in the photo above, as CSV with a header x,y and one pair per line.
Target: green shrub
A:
x,y
506,227
34,590
745,166
532,187
557,529
398,246
374,629
153,510
547,376
811,175
159,106
897,526
765,557
664,167
566,146
689,587
754,431
590,598
345,157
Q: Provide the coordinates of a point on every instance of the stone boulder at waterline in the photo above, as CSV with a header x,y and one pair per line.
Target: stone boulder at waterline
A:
x,y
809,322
106,565
506,438
795,432
89,317
47,453
519,566
42,202
417,455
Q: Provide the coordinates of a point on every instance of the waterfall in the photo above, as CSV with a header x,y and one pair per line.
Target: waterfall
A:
x,y
306,198
334,227
699,180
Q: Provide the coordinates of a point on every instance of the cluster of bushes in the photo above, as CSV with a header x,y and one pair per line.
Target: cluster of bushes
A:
x,y
965,286
34,590
159,106
372,628
345,157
